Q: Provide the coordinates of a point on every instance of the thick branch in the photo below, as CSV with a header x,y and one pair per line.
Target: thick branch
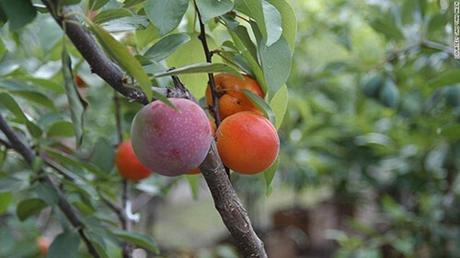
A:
x,y
70,213
93,54
225,199
229,206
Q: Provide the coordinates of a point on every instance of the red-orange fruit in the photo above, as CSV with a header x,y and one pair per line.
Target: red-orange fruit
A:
x,y
128,164
80,82
247,142
230,93
43,243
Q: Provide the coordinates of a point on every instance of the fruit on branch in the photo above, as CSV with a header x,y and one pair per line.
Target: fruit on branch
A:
x,y
247,142
231,97
171,141
128,164
43,243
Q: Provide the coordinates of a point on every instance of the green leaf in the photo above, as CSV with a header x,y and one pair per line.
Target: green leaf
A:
x,y
289,21
255,10
65,245
387,27
29,207
166,46
272,22
111,14
71,2
76,103
261,105
5,201
35,97
269,174
138,240
244,41
72,161
9,103
450,76
44,83
279,104
213,8
276,63
19,12
194,184
2,49
201,68
120,53
165,14
130,3
96,4
61,129
247,52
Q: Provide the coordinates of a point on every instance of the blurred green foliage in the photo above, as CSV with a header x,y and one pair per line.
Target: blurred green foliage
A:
x,y
374,114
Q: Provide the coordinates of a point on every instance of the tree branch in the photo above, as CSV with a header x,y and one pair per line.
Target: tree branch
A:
x,y
225,198
71,214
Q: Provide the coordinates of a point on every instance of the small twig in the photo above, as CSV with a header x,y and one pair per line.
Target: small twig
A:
x,y
116,101
208,54
124,220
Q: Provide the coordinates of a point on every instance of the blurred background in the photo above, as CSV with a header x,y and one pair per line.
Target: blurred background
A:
x,y
370,144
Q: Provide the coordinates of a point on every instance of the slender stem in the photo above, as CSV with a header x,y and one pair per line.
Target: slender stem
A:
x,y
116,101
124,220
212,82
70,213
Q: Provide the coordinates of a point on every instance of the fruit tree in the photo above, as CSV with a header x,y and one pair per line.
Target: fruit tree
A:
x,y
178,75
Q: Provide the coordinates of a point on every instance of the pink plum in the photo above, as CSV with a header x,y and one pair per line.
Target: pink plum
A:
x,y
168,141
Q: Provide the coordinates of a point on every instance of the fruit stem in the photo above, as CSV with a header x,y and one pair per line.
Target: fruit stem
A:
x,y
208,54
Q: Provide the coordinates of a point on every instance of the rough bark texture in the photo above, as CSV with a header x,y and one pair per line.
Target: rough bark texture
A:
x,y
226,201
229,206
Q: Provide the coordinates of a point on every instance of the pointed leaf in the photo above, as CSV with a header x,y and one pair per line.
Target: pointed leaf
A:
x,y
138,240
289,21
261,105
165,14
29,207
269,174
272,22
194,183
65,245
111,14
279,104
19,12
276,63
121,54
213,8
166,46
201,68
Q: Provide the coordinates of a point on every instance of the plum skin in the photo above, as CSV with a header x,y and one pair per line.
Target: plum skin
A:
x,y
168,141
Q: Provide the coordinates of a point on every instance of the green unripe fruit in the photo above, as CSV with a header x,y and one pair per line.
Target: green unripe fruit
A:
x,y
453,96
372,85
389,94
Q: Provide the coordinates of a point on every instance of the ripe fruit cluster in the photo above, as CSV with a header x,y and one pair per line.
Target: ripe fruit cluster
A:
x,y
174,141
247,142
